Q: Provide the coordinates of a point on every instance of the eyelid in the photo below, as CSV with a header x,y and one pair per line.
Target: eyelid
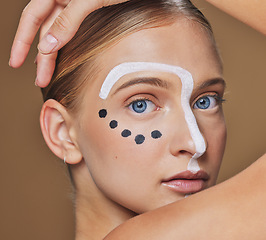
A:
x,y
216,95
142,96
213,103
139,99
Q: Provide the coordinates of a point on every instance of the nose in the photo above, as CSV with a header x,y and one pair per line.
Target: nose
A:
x,y
181,142
186,136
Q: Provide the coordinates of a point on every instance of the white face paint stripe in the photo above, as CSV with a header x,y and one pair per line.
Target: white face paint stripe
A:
x,y
187,87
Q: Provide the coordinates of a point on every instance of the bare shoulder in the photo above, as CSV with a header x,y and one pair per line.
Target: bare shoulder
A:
x,y
233,209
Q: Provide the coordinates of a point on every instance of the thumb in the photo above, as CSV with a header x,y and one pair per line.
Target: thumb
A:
x,y
66,24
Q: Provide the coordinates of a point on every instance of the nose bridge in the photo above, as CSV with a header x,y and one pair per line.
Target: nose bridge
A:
x,y
188,138
190,125
182,139
197,138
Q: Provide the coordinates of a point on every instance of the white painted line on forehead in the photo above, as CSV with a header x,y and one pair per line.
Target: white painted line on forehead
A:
x,y
130,67
187,87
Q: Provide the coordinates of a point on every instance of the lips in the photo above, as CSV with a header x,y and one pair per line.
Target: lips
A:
x,y
187,182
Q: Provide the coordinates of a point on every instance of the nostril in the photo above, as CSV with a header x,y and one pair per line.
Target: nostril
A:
x,y
183,151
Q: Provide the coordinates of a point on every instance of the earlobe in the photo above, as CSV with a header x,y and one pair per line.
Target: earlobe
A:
x,y
55,125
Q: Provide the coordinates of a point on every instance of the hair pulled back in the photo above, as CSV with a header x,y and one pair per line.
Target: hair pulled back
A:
x,y
101,29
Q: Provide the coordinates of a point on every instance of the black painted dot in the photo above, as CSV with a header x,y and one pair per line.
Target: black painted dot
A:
x,y
156,134
113,124
139,139
102,113
126,133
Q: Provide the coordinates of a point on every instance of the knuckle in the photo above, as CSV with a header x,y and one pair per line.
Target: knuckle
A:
x,y
61,23
63,2
27,14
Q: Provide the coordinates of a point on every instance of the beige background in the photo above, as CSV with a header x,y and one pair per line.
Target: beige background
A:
x,y
35,194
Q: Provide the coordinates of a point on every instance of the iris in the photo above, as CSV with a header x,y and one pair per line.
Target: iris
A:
x,y
139,106
203,102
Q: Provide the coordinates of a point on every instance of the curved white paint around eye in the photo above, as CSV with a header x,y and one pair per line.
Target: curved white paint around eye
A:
x,y
187,87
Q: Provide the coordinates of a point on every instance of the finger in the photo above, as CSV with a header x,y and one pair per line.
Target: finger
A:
x,y
66,24
45,68
32,17
112,2
63,29
46,63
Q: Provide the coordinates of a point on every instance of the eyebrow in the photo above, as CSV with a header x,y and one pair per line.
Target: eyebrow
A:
x,y
211,82
144,80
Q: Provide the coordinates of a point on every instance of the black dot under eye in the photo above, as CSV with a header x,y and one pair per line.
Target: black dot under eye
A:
x,y
139,139
102,113
113,124
126,133
156,134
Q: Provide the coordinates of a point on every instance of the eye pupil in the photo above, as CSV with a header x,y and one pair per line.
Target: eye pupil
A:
x,y
139,106
203,103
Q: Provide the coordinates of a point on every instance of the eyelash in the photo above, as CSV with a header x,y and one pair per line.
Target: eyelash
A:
x,y
219,100
142,99
216,96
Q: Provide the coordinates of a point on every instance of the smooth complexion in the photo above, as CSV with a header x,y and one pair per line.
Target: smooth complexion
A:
x,y
139,178
187,87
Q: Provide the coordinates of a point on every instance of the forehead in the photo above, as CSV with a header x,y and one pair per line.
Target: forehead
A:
x,y
181,44
131,67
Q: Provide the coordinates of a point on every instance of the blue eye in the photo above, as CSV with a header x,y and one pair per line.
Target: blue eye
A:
x,y
206,102
141,106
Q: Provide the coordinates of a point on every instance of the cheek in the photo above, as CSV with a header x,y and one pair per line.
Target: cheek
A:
x,y
214,131
138,133
216,134
130,147
107,137
119,155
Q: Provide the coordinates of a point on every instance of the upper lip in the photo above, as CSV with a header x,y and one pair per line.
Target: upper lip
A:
x,y
188,175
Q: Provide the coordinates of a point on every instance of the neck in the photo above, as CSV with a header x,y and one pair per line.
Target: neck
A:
x,y
95,214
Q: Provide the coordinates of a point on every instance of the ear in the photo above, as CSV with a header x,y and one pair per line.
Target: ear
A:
x,y
58,132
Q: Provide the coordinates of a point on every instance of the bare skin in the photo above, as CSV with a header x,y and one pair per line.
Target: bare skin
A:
x,y
123,179
100,211
177,219
60,20
226,215
250,12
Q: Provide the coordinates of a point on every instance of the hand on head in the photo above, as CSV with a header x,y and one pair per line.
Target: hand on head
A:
x,y
58,21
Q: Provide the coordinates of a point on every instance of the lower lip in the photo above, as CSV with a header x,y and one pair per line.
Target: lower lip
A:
x,y
185,186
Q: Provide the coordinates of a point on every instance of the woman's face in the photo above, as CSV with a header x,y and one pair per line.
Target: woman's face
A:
x,y
136,140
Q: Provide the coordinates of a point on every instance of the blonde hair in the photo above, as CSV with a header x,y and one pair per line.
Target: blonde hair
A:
x,y
100,30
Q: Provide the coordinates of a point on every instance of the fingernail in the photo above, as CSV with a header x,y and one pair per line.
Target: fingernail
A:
x,y
47,44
